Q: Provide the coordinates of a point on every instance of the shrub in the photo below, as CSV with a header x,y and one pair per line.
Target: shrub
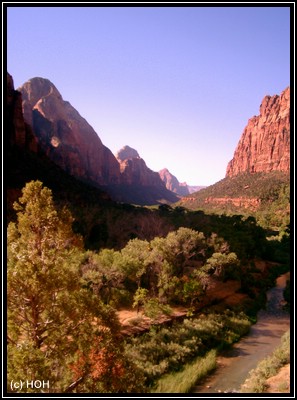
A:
x,y
256,383
166,349
184,380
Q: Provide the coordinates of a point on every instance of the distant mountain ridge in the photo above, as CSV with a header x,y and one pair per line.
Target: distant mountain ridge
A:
x,y
172,183
68,140
28,159
193,189
134,169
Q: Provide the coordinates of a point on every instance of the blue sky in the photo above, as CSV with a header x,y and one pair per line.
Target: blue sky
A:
x,y
176,83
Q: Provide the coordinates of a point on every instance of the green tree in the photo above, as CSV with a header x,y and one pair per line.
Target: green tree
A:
x,y
52,319
192,290
224,266
102,273
135,259
181,247
140,297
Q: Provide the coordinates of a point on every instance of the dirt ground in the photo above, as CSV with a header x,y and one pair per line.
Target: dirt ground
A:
x,y
135,323
280,383
224,293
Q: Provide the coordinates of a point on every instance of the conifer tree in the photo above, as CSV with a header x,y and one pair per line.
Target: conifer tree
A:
x,y
52,319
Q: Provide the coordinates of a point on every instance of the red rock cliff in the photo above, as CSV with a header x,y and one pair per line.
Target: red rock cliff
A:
x,y
135,171
65,136
19,132
173,184
265,142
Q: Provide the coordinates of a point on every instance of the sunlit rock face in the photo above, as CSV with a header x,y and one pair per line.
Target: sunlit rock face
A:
x,y
134,169
65,136
265,142
173,184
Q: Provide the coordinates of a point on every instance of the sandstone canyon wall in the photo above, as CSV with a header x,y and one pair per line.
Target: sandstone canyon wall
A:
x,y
19,133
173,184
141,184
134,169
67,139
261,160
265,142
65,136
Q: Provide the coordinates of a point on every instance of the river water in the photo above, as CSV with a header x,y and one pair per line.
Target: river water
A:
x,y
234,364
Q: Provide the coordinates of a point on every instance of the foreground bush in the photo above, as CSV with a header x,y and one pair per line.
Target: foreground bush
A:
x,y
184,380
256,383
166,349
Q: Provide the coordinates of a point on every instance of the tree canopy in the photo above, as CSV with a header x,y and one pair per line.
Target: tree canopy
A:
x,y
58,330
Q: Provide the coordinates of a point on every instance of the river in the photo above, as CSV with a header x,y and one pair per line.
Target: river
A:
x,y
234,364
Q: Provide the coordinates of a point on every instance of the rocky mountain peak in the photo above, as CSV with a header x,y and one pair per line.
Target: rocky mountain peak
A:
x,y
134,169
38,94
264,145
173,184
37,88
126,152
10,88
66,137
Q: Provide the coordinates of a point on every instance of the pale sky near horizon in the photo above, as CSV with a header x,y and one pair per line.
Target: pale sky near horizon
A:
x,y
178,84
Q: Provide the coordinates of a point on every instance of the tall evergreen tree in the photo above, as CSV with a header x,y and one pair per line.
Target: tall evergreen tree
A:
x,y
52,319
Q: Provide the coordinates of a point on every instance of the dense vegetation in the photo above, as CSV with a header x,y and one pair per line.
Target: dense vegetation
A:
x,y
256,383
62,294
166,349
58,330
272,190
101,222
105,224
183,381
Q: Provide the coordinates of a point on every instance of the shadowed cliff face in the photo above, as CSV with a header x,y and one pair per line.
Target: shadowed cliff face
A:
x,y
134,169
265,143
19,133
65,136
70,142
16,123
145,184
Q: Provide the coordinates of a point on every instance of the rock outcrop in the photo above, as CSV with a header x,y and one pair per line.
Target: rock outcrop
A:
x,y
66,137
125,153
135,171
19,133
242,202
265,142
173,184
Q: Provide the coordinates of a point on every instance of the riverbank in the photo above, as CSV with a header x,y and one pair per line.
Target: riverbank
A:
x,y
272,375
279,383
234,365
174,341
220,295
